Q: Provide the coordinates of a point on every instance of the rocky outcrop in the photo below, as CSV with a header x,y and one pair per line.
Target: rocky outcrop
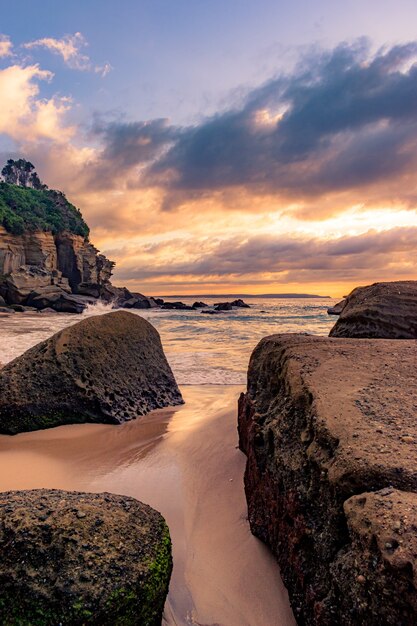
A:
x,y
108,369
337,308
32,263
329,429
381,310
77,558
229,306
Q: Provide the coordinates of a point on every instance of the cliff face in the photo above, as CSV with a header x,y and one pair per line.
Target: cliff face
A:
x,y
34,261
329,429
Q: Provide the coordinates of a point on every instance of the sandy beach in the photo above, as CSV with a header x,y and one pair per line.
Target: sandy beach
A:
x,y
185,463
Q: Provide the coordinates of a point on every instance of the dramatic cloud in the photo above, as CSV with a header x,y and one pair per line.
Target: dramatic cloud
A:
x,y
70,49
288,259
344,122
6,46
307,181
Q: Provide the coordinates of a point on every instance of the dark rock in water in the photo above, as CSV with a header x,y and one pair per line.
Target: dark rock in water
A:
x,y
144,301
138,301
380,311
158,301
177,305
325,422
18,308
2,301
240,304
78,558
223,306
107,369
337,308
199,305
6,310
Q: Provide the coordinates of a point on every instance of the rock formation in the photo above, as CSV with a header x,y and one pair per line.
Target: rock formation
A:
x,y
78,558
381,310
108,369
329,429
337,308
33,263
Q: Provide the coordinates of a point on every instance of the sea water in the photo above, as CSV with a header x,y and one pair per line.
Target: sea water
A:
x,y
201,348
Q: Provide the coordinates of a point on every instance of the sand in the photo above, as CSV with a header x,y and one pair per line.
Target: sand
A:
x,y
185,463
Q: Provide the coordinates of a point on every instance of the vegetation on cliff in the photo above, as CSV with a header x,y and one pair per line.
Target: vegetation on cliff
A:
x,y
28,205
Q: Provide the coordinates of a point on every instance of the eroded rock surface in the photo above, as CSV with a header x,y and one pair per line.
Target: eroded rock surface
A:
x,y
75,558
381,310
37,263
323,423
108,369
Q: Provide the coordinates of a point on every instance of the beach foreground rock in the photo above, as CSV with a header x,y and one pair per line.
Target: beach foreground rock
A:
x,y
107,368
330,431
76,558
380,311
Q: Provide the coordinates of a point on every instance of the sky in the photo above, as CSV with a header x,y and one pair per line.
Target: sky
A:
x,y
223,147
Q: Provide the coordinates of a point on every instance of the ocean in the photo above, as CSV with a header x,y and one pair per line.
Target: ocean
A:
x,y
201,349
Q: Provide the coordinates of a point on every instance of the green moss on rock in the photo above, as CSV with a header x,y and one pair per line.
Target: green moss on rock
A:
x,y
73,558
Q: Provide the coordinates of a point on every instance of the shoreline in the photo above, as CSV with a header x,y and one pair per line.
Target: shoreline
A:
x,y
184,462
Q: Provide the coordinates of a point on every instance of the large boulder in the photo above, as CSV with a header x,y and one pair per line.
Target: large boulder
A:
x,y
380,311
75,558
325,422
108,369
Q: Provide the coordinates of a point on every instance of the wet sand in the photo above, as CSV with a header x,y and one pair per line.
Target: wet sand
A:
x,y
185,463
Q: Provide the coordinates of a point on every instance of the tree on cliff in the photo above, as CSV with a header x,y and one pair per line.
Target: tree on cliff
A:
x,y
22,173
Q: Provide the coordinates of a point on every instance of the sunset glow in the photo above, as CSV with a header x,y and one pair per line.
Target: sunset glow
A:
x,y
297,176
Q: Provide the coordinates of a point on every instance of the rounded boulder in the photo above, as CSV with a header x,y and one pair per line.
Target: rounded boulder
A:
x,y
75,558
105,369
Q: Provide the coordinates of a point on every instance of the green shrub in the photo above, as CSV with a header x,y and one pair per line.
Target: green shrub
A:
x,y
25,209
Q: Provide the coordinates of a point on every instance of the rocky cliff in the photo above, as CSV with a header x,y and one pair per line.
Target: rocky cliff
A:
x,y
329,429
45,253
35,264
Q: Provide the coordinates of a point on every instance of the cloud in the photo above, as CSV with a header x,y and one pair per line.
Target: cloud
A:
x,y
277,259
344,121
6,46
70,49
24,116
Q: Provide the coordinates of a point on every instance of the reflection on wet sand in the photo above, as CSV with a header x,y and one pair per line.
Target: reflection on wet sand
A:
x,y
184,462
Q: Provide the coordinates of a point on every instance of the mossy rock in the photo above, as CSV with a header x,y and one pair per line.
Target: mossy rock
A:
x,y
75,558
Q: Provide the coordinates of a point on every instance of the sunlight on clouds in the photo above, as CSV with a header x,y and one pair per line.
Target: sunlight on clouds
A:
x,y
24,116
69,48
6,46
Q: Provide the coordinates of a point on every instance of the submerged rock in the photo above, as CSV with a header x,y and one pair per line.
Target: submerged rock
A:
x,y
107,369
323,423
380,311
76,558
